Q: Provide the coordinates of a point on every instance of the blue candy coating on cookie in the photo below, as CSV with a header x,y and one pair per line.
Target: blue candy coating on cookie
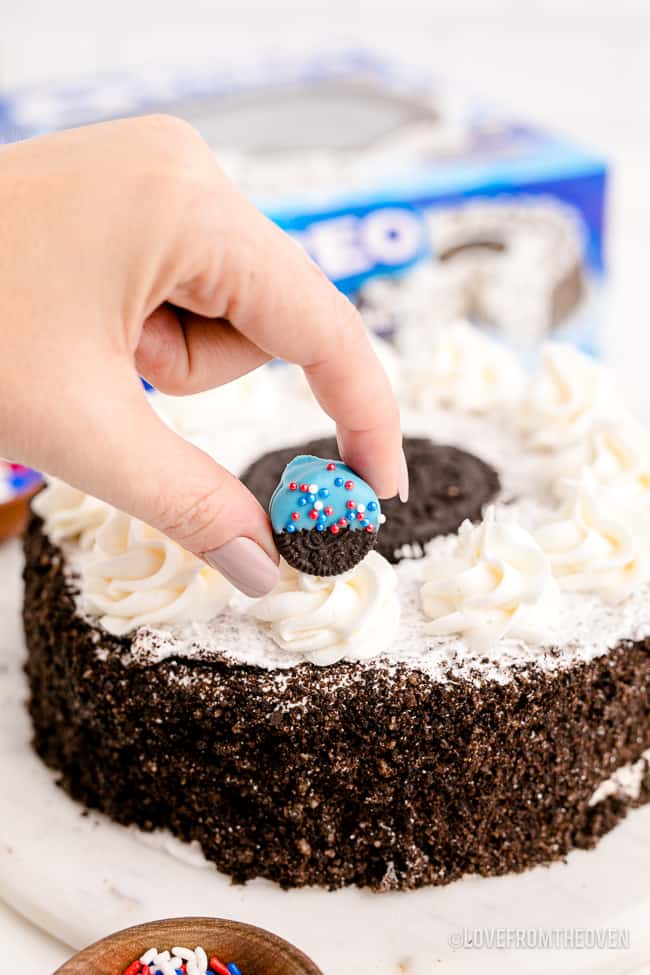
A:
x,y
334,494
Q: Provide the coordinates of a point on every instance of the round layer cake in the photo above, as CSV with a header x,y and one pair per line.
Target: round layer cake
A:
x,y
474,700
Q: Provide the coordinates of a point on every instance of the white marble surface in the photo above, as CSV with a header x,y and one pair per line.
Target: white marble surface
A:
x,y
582,66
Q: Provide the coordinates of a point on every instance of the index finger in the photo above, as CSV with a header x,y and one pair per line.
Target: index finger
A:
x,y
265,284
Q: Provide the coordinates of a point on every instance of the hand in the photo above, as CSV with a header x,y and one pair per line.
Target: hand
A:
x,y
124,250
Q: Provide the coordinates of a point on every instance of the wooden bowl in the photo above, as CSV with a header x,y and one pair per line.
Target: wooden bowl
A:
x,y
14,513
255,951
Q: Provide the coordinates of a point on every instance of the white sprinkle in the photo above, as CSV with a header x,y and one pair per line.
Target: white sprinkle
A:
x,y
176,961
382,519
184,953
313,488
192,967
166,967
361,508
318,505
162,957
201,959
149,956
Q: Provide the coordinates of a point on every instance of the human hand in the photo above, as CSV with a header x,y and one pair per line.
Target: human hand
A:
x,y
124,250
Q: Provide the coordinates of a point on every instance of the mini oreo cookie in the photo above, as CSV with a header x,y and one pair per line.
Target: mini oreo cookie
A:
x,y
325,518
447,485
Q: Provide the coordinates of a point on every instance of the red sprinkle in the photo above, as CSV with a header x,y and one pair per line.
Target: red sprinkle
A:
x,y
295,516
133,968
349,485
293,486
147,971
370,528
351,504
360,516
331,467
334,529
304,487
343,522
218,967
329,510
313,514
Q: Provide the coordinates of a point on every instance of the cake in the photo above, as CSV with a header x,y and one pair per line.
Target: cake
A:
x,y
472,698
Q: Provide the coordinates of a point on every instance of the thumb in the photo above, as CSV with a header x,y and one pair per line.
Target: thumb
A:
x,y
138,464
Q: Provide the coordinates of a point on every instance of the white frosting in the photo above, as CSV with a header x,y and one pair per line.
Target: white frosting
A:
x,y
568,394
616,453
596,543
70,515
497,582
626,781
136,576
459,366
352,616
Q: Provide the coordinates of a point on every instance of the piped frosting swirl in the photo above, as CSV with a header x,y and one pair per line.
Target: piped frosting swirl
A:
x,y
496,583
596,543
353,616
567,395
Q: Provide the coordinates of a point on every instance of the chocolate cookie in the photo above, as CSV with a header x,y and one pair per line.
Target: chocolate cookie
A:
x,y
447,486
325,517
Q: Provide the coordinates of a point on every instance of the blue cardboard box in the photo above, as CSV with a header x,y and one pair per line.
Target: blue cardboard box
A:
x,y
418,201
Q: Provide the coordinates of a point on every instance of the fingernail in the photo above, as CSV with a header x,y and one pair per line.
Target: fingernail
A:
x,y
403,481
246,565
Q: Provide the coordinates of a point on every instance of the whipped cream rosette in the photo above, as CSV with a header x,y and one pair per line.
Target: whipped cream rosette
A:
x,y
353,616
597,543
568,394
137,576
70,515
496,583
616,454
458,366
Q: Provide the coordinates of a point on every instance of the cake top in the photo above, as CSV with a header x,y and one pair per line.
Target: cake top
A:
x,y
556,571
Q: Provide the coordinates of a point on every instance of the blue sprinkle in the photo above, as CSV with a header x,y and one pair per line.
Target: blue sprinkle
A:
x,y
322,516
232,968
179,971
372,506
19,481
311,498
291,527
364,522
351,515
339,481
324,493
302,501
320,526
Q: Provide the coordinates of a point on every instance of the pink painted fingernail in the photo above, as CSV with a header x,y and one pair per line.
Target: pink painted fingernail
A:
x,y
403,480
246,565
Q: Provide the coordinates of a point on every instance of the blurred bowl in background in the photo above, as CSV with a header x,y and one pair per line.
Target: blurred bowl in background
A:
x,y
253,950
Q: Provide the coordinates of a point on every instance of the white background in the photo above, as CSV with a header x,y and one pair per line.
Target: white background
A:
x,y
580,66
